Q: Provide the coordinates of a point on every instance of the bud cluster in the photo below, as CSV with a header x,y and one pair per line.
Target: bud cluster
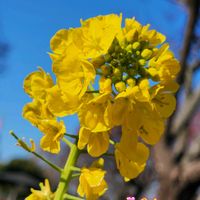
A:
x,y
126,65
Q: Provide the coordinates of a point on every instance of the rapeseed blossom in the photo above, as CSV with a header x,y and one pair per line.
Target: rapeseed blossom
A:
x,y
136,73
91,181
44,194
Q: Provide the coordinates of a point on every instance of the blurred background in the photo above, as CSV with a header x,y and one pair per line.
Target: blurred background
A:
x,y
26,27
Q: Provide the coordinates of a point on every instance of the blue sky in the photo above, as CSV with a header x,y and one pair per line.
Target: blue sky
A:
x,y
28,25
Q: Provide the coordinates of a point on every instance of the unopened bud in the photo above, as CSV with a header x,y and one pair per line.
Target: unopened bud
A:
x,y
117,48
137,53
107,58
136,45
142,62
120,86
105,85
117,72
146,53
131,82
129,48
22,144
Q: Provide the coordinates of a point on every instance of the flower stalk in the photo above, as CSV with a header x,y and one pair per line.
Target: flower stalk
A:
x,y
28,149
66,174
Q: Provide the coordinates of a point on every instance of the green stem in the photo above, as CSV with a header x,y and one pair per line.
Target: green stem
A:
x,y
47,162
71,135
66,173
75,169
28,149
71,197
76,175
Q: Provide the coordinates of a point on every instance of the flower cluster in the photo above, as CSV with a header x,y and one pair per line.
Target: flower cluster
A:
x,y
110,76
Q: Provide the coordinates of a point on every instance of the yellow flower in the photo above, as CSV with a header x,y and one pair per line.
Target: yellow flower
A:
x,y
94,114
135,110
163,100
141,92
135,79
165,64
73,48
123,109
91,182
61,41
105,85
36,111
53,133
73,73
151,125
44,194
97,34
130,155
36,84
133,30
61,104
97,142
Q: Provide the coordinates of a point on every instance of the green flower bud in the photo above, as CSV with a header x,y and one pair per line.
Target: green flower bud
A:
x,y
114,62
116,72
137,53
146,53
136,45
129,48
107,58
117,48
142,62
114,55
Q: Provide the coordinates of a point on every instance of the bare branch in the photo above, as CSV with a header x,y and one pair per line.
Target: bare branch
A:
x,y
185,114
188,77
193,18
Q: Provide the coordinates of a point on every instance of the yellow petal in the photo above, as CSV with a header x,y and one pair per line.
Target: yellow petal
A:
x,y
53,133
150,131
165,104
98,143
36,83
84,135
61,104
